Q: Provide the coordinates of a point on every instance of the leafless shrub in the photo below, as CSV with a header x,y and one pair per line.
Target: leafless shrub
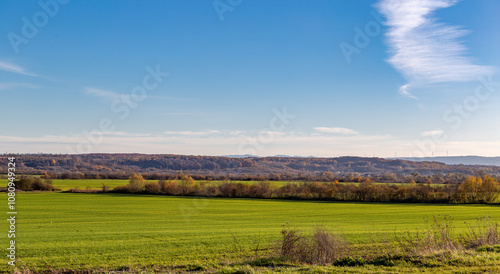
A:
x,y
328,246
484,233
290,242
323,247
438,237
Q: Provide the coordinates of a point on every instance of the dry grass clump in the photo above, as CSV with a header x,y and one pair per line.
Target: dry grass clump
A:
x,y
323,247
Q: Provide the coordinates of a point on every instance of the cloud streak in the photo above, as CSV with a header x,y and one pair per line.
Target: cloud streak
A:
x,y
14,69
403,90
193,133
107,95
436,132
336,130
205,142
9,86
423,50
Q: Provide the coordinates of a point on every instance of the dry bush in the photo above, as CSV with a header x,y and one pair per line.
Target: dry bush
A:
x,y
438,237
290,243
260,190
42,186
323,247
28,184
153,188
328,247
170,188
121,189
321,190
234,190
483,234
287,191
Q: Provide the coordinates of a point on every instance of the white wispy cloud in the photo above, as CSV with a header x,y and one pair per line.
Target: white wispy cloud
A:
x,y
237,132
122,134
205,142
184,114
14,68
192,133
432,132
336,130
108,95
289,143
8,86
426,51
403,90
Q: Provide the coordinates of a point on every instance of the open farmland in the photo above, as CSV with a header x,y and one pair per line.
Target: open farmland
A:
x,y
131,232
64,185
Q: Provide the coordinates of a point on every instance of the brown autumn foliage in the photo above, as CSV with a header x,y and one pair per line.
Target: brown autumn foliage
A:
x,y
478,190
34,184
472,190
173,167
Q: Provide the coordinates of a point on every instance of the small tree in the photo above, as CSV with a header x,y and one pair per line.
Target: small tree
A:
x,y
469,189
479,190
105,187
489,189
136,183
187,185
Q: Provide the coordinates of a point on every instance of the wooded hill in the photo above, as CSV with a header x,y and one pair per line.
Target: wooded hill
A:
x,y
122,165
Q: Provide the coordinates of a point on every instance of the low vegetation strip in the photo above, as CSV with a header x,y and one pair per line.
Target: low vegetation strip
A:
x,y
472,190
325,247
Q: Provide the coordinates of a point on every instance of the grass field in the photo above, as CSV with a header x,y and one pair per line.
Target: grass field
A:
x,y
113,231
82,184
97,183
112,183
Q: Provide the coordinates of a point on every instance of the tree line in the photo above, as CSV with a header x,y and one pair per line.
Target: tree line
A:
x,y
474,189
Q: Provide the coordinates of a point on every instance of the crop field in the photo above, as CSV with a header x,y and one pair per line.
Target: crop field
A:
x,y
112,183
81,184
97,183
127,232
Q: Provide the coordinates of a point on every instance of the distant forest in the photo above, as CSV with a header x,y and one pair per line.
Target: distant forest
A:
x,y
163,166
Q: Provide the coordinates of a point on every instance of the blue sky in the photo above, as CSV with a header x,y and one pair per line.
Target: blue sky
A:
x,y
322,78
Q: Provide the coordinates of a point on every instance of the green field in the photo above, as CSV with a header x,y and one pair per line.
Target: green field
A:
x,y
97,183
112,183
114,231
82,184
